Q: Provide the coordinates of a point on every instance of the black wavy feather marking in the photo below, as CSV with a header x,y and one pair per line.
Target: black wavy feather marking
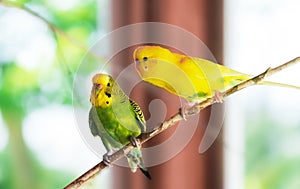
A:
x,y
137,109
138,115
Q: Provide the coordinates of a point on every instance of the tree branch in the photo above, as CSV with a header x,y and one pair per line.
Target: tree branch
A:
x,y
173,120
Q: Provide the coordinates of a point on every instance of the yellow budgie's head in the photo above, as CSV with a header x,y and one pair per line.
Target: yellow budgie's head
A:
x,y
160,67
101,90
147,52
148,57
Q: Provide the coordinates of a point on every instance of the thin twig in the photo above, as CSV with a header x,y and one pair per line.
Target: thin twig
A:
x,y
173,120
57,32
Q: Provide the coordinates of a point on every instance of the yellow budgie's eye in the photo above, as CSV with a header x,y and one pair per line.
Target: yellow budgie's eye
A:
x,y
145,59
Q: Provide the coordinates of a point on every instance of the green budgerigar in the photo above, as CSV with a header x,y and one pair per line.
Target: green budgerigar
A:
x,y
116,119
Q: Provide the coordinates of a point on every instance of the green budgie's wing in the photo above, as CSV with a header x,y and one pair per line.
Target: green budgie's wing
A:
x,y
97,129
138,114
134,158
130,115
125,111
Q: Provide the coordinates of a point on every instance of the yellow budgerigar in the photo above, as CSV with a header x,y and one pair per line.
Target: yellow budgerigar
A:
x,y
194,79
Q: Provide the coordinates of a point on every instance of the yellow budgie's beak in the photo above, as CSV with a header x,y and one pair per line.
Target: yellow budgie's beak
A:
x,y
97,88
142,65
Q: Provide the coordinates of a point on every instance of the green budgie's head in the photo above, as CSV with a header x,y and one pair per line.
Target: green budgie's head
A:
x,y
101,90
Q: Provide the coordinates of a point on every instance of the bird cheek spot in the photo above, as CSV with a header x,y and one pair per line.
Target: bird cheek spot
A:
x,y
108,94
145,68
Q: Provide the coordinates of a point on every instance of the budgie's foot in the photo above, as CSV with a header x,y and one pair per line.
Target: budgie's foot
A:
x,y
134,141
218,97
106,160
184,110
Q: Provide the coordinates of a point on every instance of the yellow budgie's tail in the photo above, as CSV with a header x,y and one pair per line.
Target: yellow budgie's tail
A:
x,y
271,83
232,78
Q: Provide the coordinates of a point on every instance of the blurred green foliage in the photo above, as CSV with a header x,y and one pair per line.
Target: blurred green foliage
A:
x,y
22,90
271,153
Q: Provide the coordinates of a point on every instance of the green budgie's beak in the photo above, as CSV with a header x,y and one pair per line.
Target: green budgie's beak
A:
x,y
97,88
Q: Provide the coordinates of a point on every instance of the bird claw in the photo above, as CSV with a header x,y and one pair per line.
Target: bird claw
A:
x,y
106,160
134,141
183,111
218,97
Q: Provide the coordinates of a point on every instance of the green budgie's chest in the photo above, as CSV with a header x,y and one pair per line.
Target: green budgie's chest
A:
x,y
119,122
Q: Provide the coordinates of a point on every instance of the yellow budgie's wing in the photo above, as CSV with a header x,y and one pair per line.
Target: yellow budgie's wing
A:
x,y
219,77
197,85
232,77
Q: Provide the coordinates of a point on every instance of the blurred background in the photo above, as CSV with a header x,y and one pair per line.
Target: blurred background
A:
x,y
42,43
